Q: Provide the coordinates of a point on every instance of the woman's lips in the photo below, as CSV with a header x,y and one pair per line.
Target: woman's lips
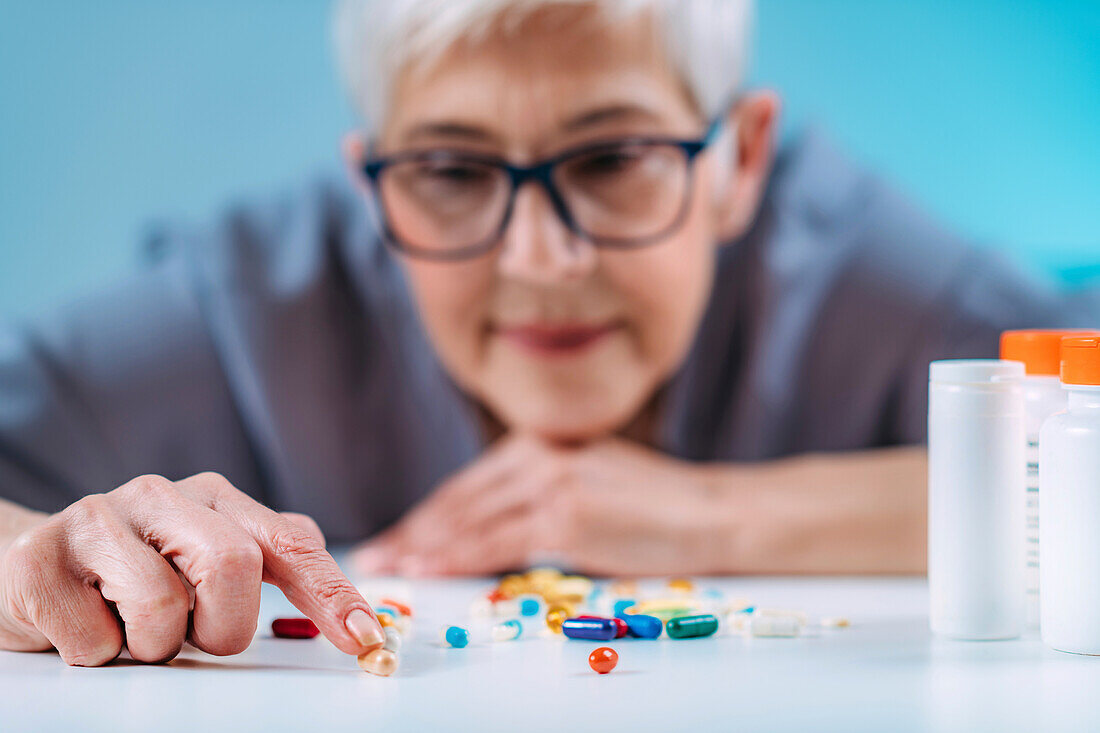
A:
x,y
557,339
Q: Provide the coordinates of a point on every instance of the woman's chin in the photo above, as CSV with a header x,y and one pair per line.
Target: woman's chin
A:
x,y
564,427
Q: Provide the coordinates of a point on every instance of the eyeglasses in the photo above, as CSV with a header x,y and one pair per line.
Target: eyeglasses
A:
x,y
447,205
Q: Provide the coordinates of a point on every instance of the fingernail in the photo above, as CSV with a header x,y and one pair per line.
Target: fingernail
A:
x,y
365,629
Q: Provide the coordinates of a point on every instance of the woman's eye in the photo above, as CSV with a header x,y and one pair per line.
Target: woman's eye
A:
x,y
608,162
455,173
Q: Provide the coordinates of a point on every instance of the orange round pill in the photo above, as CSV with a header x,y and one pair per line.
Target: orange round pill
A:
x,y
603,660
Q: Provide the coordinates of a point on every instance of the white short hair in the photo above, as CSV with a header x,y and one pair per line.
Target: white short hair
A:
x,y
706,40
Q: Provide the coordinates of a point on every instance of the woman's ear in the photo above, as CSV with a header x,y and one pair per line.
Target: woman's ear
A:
x,y
753,121
354,148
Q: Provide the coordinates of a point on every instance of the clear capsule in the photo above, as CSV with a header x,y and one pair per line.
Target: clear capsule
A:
x,y
835,622
506,608
393,639
481,607
801,616
775,624
507,630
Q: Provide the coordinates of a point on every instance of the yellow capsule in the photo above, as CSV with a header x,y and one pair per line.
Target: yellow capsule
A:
x,y
381,662
681,585
664,608
555,617
541,577
567,604
573,585
623,587
512,585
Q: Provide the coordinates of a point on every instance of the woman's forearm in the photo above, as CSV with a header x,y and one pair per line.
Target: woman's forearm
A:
x,y
859,512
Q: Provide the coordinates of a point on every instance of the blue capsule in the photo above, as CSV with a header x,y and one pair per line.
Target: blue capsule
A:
x,y
619,609
507,631
643,626
600,629
455,636
530,606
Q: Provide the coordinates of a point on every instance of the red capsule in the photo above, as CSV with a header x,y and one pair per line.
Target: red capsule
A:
x,y
294,628
621,628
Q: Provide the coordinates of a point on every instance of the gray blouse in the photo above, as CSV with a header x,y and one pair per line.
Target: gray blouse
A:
x,y
281,348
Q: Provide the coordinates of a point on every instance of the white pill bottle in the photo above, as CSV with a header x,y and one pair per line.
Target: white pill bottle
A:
x,y
976,498
1069,526
1040,351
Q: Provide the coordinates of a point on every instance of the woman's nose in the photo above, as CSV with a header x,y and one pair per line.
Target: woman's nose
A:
x,y
538,247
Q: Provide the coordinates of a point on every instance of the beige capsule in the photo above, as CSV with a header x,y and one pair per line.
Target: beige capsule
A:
x,y
381,662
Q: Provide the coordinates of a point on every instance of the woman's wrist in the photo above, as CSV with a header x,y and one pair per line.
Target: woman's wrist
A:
x,y
859,512
729,524
15,520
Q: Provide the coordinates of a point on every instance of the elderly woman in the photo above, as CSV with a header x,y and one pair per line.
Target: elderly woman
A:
x,y
568,309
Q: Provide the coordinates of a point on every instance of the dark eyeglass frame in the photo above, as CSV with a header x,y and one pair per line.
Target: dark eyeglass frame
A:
x,y
542,173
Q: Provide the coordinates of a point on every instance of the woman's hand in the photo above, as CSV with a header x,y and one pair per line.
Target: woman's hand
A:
x,y
609,507
615,508
154,563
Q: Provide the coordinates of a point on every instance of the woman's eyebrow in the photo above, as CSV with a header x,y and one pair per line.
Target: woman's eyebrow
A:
x,y
612,113
446,129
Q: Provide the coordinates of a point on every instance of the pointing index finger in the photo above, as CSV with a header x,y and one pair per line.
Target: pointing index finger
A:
x,y
295,560
299,565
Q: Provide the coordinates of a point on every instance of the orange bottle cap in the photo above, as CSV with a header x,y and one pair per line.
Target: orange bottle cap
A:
x,y
1039,350
1081,360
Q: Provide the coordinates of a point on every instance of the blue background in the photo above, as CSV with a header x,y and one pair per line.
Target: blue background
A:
x,y
119,112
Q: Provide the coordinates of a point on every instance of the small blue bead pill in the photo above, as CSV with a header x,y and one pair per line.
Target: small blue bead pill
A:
x,y
643,626
455,636
599,629
529,607
386,610
619,609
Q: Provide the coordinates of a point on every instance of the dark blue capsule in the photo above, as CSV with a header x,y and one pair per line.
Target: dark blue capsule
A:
x,y
642,626
600,629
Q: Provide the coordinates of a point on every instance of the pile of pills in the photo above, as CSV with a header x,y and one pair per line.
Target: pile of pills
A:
x,y
576,607
396,620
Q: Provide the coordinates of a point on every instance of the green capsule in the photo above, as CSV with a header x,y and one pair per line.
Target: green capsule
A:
x,y
687,627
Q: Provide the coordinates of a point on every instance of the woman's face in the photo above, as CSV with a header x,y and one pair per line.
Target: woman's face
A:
x,y
553,335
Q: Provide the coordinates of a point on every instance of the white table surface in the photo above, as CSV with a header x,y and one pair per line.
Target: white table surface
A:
x,y
886,672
